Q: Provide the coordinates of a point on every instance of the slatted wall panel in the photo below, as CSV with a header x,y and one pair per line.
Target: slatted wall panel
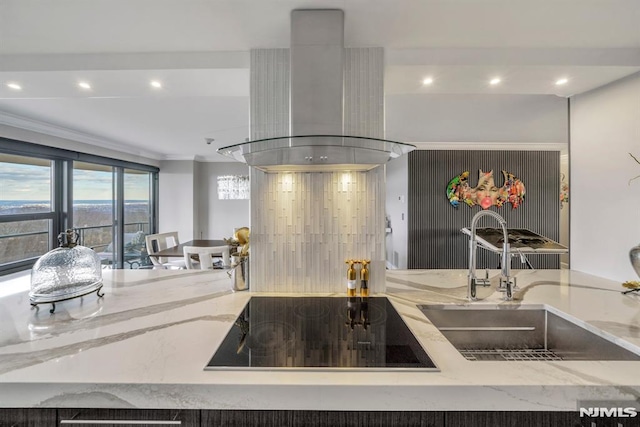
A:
x,y
434,225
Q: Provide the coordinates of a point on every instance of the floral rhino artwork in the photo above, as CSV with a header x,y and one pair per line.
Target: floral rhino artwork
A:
x,y
486,194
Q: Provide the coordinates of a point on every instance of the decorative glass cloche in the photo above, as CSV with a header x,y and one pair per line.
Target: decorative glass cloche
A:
x,y
66,272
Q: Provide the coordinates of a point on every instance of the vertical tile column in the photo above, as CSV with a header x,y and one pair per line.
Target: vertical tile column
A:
x,y
269,93
269,117
364,116
305,225
364,92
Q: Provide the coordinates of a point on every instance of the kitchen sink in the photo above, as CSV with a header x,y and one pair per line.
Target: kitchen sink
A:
x,y
521,333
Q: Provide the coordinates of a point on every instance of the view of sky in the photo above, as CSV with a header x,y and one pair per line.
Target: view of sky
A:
x,y
30,182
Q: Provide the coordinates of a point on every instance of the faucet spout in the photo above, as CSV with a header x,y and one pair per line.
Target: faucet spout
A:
x,y
472,280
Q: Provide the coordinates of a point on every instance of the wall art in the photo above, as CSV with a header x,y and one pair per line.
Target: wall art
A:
x,y
486,194
564,191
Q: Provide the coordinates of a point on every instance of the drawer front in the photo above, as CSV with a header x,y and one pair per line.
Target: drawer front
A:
x,y
128,417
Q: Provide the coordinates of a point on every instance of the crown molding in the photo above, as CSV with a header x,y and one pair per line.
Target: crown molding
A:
x,y
216,158
50,129
179,157
492,146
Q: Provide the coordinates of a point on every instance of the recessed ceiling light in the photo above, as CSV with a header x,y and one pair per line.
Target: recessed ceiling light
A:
x,y
156,84
84,85
14,86
562,81
495,81
427,81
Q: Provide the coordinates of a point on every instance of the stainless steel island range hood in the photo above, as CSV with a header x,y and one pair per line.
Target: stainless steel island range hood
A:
x,y
316,142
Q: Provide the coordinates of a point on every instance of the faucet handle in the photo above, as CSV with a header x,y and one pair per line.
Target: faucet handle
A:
x,y
508,280
485,281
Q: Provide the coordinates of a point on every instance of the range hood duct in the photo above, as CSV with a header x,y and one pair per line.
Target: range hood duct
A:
x,y
316,142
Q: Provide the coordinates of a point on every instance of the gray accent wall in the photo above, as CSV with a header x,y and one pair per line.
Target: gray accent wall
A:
x,y
434,225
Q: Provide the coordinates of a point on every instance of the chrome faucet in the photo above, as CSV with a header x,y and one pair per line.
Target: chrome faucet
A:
x,y
472,280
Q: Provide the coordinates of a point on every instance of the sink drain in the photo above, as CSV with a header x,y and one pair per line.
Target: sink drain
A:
x,y
511,355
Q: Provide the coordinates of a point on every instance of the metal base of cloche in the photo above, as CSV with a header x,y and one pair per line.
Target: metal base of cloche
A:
x,y
53,303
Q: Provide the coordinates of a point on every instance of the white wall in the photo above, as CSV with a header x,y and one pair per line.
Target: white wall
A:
x,y
396,210
189,200
177,202
473,118
605,210
218,218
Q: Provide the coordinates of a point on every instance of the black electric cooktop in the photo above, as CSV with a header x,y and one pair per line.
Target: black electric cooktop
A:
x,y
320,332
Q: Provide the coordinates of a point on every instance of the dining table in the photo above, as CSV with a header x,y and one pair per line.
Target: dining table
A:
x,y
177,251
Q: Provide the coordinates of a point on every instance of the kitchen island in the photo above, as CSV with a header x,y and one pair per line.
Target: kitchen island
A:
x,y
146,342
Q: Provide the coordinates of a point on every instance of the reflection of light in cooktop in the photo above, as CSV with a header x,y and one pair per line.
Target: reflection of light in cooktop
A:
x,y
320,332
308,309
268,337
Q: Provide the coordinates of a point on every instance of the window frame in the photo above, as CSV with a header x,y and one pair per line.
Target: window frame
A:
x,y
61,214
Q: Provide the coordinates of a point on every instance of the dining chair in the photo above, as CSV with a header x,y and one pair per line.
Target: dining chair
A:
x,y
160,241
205,256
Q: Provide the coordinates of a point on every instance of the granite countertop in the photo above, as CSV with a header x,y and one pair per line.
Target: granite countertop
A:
x,y
145,344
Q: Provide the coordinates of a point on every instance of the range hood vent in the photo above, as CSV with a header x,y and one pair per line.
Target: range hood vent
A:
x,y
316,142
316,153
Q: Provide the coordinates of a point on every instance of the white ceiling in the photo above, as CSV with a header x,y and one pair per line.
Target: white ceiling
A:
x,y
200,51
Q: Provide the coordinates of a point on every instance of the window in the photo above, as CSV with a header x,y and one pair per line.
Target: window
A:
x,y
137,201
93,208
25,208
45,190
137,216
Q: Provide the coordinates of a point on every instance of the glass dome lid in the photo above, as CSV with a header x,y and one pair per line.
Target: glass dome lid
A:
x,y
316,153
66,272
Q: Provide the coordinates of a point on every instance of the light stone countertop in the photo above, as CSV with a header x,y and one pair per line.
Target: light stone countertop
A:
x,y
146,342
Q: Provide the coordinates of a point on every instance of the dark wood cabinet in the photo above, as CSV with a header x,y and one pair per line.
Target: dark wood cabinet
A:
x,y
532,419
36,417
152,417
228,418
31,417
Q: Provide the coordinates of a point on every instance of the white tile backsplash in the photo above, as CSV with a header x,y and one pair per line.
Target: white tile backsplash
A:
x,y
306,225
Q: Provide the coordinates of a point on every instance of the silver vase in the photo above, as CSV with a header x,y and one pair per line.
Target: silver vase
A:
x,y
634,256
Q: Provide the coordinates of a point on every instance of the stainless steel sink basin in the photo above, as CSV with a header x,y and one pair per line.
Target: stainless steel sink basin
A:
x,y
523,332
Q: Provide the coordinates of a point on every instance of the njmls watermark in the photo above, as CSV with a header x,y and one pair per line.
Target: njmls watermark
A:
x,y
608,412
619,410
